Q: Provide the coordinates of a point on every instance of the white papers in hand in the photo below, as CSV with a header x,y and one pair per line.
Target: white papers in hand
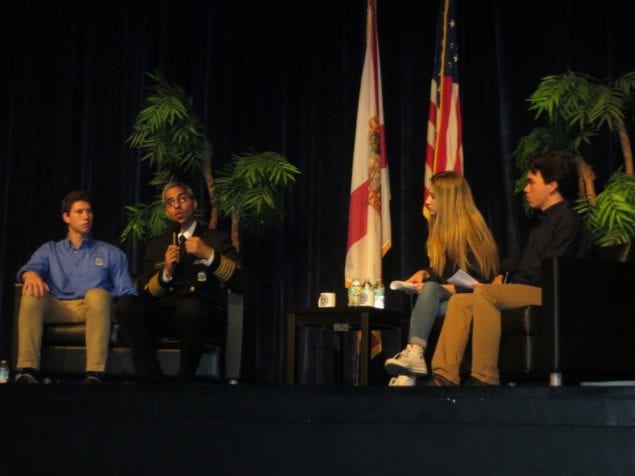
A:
x,y
409,288
462,280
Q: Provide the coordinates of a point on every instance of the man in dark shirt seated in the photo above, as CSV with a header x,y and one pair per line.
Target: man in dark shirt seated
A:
x,y
185,272
558,231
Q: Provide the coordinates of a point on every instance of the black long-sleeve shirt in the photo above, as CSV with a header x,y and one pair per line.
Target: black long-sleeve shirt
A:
x,y
558,232
452,267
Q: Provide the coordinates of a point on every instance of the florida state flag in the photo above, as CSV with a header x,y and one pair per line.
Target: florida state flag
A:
x,y
369,214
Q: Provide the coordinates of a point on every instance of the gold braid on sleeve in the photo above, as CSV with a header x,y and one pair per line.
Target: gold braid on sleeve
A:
x,y
154,287
225,269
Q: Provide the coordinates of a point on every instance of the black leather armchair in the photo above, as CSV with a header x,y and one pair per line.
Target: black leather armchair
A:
x,y
584,329
64,352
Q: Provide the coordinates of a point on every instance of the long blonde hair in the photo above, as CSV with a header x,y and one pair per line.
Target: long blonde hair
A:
x,y
458,226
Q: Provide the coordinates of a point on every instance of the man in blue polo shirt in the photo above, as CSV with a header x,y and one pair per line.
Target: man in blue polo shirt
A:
x,y
72,280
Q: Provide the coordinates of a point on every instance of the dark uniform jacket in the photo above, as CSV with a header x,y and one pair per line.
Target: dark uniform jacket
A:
x,y
192,276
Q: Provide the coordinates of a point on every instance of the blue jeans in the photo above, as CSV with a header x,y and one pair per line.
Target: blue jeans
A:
x,y
431,303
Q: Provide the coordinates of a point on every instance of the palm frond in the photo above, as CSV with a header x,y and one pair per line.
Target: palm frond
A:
x,y
170,139
253,185
611,220
144,221
167,129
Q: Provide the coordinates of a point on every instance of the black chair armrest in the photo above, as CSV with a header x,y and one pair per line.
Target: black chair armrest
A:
x,y
588,310
234,336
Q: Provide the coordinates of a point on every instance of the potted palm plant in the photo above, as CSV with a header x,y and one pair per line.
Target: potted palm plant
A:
x,y
575,107
170,137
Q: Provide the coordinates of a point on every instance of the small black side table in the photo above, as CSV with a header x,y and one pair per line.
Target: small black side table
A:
x,y
362,318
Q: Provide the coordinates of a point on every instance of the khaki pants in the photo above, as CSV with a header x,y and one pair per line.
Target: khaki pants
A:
x,y
481,311
94,310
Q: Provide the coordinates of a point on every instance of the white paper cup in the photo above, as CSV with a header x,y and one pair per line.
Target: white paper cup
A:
x,y
326,300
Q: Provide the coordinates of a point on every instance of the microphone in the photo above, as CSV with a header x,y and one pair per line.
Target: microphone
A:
x,y
177,241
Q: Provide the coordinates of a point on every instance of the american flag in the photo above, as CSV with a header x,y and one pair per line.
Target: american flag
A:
x,y
444,149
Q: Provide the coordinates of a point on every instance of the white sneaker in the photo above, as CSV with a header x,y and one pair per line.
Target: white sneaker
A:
x,y
402,381
409,361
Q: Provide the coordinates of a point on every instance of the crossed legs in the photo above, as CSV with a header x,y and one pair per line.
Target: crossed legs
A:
x,y
479,312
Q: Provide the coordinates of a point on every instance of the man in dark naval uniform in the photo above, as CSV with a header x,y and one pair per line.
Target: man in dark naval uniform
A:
x,y
185,271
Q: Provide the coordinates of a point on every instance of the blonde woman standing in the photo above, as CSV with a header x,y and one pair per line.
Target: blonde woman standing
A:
x,y
459,239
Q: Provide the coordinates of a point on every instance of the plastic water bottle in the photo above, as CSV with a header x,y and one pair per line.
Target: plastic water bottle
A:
x,y
379,295
354,293
350,296
4,371
368,295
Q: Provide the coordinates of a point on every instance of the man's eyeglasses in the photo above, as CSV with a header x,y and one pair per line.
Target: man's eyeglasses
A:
x,y
181,198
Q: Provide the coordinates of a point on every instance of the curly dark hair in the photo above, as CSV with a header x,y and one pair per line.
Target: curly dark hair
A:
x,y
557,167
75,196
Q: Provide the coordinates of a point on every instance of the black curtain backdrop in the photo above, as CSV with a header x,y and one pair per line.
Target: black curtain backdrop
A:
x,y
278,76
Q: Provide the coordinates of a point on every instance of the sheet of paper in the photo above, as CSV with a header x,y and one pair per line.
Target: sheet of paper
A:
x,y
409,288
462,280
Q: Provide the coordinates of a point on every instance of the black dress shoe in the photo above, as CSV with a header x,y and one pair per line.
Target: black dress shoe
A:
x,y
474,382
180,378
93,378
155,378
27,375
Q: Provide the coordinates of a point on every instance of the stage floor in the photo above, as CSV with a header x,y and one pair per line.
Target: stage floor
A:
x,y
244,429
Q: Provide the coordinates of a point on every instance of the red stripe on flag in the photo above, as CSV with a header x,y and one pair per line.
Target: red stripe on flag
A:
x,y
358,214
432,121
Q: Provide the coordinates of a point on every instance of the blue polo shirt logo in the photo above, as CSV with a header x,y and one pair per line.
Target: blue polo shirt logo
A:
x,y
99,262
